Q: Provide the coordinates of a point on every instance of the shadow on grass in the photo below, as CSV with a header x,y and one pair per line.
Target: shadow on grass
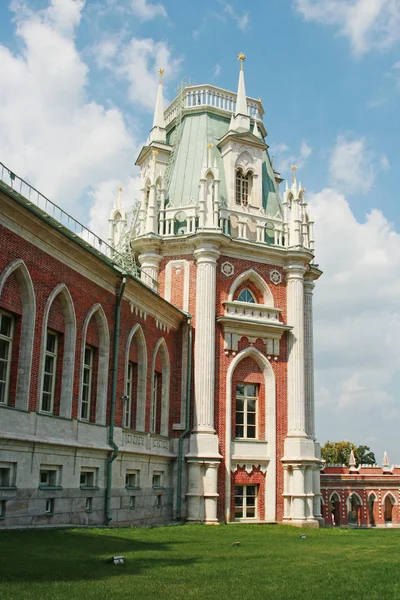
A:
x,y
73,555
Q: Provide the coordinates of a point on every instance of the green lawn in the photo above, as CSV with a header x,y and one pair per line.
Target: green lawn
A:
x,y
197,561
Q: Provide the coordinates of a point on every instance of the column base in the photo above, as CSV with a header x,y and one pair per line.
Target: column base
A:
x,y
302,523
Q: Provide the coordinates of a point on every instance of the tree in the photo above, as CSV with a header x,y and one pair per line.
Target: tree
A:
x,y
338,453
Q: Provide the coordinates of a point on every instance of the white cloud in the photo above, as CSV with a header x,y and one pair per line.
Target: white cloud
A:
x,y
353,167
217,70
146,11
241,20
139,62
394,73
51,133
357,317
283,159
369,24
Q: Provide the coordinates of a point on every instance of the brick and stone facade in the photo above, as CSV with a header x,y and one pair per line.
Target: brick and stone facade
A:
x,y
366,496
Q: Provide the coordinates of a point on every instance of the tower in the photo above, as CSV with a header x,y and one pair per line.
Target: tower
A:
x,y
216,240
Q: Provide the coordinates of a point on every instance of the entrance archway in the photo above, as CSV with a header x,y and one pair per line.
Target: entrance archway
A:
x,y
334,510
354,510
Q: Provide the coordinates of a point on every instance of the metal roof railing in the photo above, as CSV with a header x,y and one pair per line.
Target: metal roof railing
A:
x,y
62,219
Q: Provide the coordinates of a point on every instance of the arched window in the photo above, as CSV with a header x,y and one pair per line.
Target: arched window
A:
x,y
243,187
161,373
135,380
246,296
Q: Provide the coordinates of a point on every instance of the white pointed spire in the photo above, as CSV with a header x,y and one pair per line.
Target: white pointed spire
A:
x,y
385,461
158,131
241,102
352,461
255,129
241,120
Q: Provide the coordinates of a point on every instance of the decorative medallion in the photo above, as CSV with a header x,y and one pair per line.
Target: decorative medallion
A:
x,y
227,269
275,277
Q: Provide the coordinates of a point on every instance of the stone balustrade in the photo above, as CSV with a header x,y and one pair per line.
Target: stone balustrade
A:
x,y
253,312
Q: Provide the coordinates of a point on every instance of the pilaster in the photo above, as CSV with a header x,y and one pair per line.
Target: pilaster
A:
x,y
150,266
309,356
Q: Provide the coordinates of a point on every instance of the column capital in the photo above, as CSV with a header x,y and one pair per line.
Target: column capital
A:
x,y
150,259
206,253
309,284
295,271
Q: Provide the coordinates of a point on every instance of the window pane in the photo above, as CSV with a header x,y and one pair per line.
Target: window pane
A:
x,y
46,402
88,356
239,389
239,404
2,392
251,513
48,364
251,390
5,325
250,490
240,431
3,370
239,418
238,490
47,380
251,432
251,419
51,342
4,346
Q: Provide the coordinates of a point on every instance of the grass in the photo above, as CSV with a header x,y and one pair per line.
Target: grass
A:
x,y
194,561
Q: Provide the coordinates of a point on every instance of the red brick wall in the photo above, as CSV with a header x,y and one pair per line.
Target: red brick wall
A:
x,y
47,272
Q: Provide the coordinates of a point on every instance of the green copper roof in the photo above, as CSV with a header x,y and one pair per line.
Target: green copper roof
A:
x,y
197,131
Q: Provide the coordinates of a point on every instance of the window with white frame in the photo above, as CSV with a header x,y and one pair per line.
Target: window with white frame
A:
x,y
50,476
89,504
128,400
6,339
132,502
156,390
2,509
246,296
132,479
245,501
246,410
49,371
243,187
88,478
87,383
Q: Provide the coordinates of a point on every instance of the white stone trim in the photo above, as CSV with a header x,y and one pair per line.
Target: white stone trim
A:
x,y
137,332
270,433
28,301
68,368
389,493
103,362
165,390
258,281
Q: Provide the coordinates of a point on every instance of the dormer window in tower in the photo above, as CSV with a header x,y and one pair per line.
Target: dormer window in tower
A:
x,y
244,185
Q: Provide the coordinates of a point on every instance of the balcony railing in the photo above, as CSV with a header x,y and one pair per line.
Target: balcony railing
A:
x,y
253,312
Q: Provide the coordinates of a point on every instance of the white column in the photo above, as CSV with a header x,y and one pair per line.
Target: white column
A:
x,y
309,356
317,495
204,352
309,486
210,492
295,308
150,266
151,221
298,494
195,492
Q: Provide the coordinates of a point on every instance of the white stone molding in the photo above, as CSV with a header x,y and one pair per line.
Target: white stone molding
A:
x,y
137,333
68,368
391,495
227,269
275,277
28,301
138,310
295,316
270,433
103,362
178,264
161,347
206,263
258,281
249,467
309,357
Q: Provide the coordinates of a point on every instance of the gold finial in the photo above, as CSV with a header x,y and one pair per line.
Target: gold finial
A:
x,y
160,72
209,146
155,152
303,190
241,57
294,167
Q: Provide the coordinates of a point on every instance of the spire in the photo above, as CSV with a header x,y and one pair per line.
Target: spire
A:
x,y
241,102
352,461
158,131
256,131
241,120
385,461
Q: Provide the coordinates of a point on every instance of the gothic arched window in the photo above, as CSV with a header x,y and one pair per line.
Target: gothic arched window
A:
x,y
243,187
246,296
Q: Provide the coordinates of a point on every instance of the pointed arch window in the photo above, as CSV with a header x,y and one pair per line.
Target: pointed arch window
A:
x,y
6,340
246,296
243,186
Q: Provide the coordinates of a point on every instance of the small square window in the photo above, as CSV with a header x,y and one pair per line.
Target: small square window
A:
x,y
157,479
87,479
89,504
132,479
2,509
49,477
132,502
158,500
49,506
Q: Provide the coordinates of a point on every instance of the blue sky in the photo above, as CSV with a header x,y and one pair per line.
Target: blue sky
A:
x,y
78,87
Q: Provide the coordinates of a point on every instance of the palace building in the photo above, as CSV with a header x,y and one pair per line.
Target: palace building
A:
x,y
166,374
